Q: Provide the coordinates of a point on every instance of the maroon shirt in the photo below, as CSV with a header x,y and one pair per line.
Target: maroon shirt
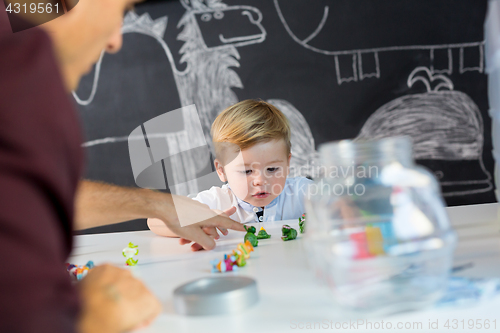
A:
x,y
40,166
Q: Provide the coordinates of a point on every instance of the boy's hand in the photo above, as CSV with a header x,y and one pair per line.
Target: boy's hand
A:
x,y
211,230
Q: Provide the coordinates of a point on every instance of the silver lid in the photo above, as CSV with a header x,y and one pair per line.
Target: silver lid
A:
x,y
215,295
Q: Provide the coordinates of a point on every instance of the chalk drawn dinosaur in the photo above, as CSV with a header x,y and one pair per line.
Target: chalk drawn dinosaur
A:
x,y
445,126
211,92
207,82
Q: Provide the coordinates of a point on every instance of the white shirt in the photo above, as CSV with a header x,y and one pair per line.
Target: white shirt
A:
x,y
288,205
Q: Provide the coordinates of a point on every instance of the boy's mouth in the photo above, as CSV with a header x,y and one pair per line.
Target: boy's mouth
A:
x,y
261,195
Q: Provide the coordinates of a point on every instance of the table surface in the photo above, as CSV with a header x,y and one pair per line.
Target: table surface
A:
x,y
291,297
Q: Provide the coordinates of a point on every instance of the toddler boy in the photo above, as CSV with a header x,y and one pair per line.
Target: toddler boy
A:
x,y
253,151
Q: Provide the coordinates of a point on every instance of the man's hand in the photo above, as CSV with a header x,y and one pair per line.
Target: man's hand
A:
x,y
100,204
199,222
114,301
210,230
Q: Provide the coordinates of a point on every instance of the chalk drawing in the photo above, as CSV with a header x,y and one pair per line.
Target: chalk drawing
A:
x,y
449,70
319,28
354,76
305,43
208,89
206,82
116,139
445,125
480,68
362,74
207,79
97,70
304,155
427,78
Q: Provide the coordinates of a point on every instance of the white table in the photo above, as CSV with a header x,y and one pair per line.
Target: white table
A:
x,y
290,295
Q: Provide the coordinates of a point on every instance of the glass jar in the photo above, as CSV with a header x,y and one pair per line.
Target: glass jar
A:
x,y
377,229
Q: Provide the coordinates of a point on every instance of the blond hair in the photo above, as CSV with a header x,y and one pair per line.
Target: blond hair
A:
x,y
248,123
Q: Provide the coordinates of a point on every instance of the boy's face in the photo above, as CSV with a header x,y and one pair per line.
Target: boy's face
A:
x,y
258,174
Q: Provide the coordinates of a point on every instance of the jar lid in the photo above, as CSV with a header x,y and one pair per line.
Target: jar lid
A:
x,y
215,295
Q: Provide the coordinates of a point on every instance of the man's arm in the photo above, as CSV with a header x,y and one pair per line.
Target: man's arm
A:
x,y
101,204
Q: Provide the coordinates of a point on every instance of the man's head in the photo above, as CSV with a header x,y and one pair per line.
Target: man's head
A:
x,y
252,146
80,35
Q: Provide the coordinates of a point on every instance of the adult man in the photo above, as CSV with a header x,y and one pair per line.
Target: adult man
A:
x,y
97,25
40,170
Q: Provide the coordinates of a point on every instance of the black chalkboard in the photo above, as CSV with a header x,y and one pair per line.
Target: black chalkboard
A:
x,y
339,69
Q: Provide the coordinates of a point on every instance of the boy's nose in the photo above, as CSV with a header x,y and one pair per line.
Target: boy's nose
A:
x,y
259,180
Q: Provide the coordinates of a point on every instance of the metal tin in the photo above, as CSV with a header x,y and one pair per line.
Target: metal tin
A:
x,y
215,295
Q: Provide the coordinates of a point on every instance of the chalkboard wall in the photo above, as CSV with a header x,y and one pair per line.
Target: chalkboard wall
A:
x,y
338,69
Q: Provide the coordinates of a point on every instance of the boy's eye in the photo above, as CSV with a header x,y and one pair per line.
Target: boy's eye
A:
x,y
247,172
272,169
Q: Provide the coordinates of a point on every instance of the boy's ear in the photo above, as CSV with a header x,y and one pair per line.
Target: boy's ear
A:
x,y
220,170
